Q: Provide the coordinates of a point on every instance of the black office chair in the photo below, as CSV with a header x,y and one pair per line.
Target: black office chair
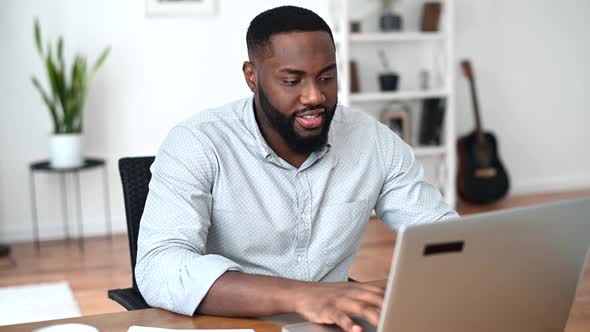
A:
x,y
135,176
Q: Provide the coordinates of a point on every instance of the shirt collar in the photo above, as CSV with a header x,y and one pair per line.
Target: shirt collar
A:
x,y
249,120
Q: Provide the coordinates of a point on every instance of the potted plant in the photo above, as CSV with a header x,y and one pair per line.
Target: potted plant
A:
x,y
65,99
389,20
388,79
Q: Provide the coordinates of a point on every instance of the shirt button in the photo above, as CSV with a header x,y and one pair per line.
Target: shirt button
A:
x,y
299,259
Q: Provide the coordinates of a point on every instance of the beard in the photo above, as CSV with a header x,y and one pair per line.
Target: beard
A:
x,y
285,125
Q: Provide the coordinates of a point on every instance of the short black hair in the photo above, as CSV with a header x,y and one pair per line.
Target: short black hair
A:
x,y
282,19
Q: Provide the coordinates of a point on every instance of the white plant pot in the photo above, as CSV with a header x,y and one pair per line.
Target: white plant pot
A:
x,y
65,150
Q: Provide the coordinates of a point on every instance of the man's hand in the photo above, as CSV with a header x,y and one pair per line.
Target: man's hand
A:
x,y
334,303
244,295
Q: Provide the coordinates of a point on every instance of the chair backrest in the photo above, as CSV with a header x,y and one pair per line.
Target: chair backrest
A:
x,y
135,176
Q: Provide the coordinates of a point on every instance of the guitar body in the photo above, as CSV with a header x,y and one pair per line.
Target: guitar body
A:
x,y
482,178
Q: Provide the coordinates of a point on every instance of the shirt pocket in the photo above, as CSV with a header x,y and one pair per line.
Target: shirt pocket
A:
x,y
340,229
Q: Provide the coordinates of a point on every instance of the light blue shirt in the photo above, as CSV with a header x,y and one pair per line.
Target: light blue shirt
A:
x,y
220,199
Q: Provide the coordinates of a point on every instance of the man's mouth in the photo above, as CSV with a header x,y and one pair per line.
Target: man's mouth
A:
x,y
311,119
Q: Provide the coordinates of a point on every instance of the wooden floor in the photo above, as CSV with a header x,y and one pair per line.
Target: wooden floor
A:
x,y
105,263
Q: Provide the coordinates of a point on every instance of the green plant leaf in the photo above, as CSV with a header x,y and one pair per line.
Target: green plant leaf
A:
x,y
51,76
60,54
38,37
70,119
56,80
81,84
50,104
60,75
100,60
61,85
74,103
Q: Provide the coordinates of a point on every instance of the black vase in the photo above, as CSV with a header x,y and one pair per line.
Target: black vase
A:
x,y
388,81
390,22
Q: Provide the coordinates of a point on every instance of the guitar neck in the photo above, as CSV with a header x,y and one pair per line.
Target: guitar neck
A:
x,y
474,100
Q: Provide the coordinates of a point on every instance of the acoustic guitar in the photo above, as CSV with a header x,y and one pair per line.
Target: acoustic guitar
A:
x,y
481,178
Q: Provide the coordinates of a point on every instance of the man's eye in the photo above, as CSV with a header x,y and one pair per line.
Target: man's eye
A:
x,y
326,78
289,82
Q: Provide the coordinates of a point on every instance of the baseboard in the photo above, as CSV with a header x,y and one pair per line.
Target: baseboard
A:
x,y
92,227
557,184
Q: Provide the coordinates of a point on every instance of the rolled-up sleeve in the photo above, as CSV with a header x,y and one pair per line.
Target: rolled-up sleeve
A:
x,y
406,197
173,270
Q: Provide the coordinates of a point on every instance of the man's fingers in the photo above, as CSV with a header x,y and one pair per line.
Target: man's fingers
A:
x,y
345,322
372,288
362,309
368,297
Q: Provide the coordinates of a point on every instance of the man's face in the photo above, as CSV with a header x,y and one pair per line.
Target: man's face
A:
x,y
297,88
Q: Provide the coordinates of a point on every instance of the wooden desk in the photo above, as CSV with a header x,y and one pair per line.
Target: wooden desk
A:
x,y
121,321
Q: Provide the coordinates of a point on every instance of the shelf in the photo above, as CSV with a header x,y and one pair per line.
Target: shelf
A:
x,y
415,50
431,151
396,95
379,37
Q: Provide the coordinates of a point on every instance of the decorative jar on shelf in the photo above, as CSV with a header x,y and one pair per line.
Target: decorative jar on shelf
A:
x,y
389,20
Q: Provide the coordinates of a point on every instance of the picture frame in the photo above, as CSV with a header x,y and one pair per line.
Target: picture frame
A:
x,y
182,8
399,122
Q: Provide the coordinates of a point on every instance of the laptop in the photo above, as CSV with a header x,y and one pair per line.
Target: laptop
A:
x,y
511,270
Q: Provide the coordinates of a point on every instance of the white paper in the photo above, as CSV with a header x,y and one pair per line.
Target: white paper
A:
x,y
157,329
67,328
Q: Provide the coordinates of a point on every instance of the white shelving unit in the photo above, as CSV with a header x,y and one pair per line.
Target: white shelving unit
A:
x,y
439,45
398,95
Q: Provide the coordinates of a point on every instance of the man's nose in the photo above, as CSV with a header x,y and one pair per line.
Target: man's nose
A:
x,y
312,94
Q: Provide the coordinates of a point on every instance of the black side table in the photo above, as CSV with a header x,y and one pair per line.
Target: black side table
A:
x,y
44,166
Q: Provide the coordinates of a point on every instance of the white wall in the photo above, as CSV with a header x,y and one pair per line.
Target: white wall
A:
x,y
530,59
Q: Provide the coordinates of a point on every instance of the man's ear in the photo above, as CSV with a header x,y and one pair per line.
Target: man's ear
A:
x,y
249,75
